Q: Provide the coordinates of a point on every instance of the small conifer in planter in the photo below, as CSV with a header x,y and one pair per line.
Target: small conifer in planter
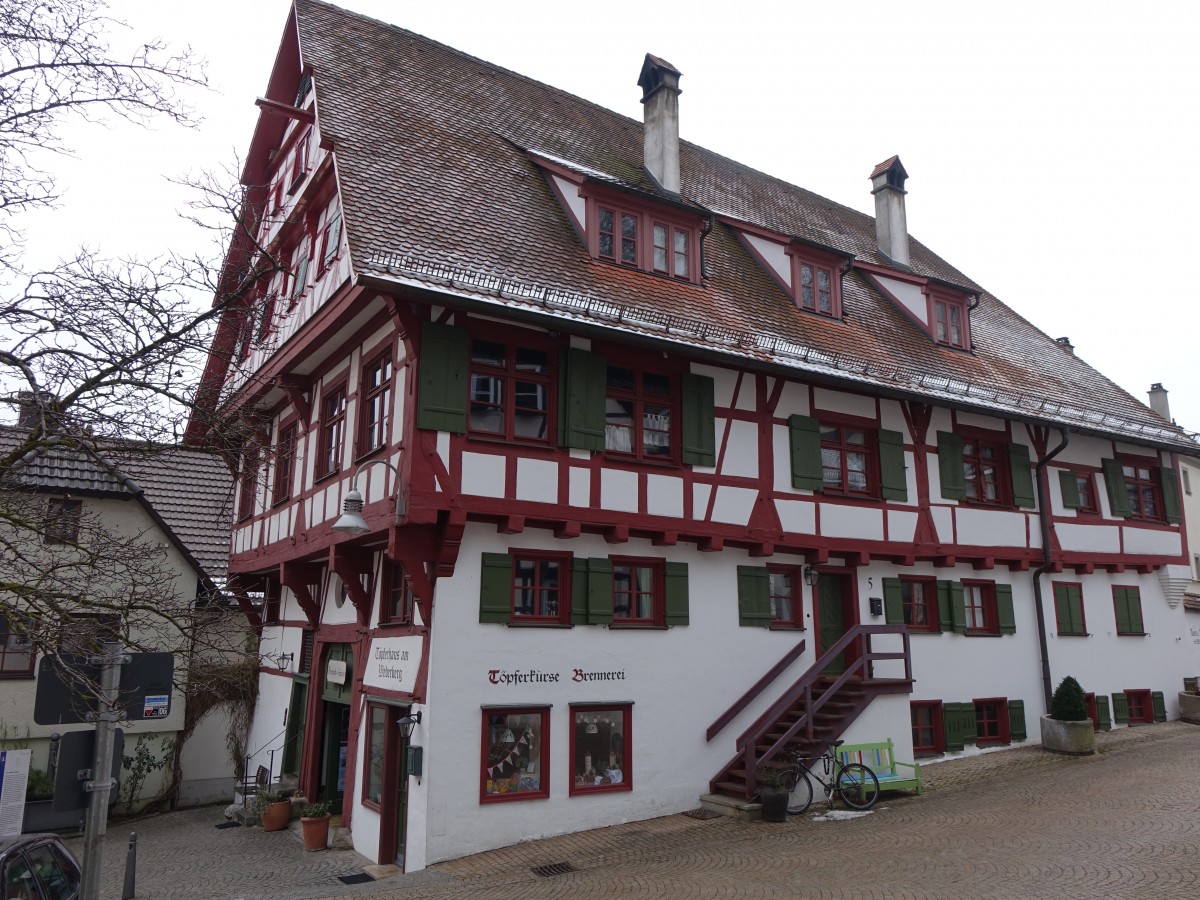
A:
x,y
1067,728
1068,703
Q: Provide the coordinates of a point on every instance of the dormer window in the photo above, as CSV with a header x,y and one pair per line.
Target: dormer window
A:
x,y
655,240
816,282
950,320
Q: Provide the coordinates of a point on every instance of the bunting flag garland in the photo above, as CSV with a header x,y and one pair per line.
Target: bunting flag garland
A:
x,y
506,767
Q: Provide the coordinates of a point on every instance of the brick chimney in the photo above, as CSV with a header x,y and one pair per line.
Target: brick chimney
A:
x,y
1158,401
891,227
659,82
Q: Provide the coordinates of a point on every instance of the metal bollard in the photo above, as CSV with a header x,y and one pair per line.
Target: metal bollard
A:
x,y
130,891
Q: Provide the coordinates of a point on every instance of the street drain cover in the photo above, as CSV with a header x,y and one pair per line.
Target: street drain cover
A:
x,y
360,878
560,868
229,825
702,814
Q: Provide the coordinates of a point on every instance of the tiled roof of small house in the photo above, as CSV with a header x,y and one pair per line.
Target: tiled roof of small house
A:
x,y
188,491
439,190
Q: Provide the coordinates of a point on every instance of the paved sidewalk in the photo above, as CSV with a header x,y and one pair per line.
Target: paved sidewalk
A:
x,y
1006,824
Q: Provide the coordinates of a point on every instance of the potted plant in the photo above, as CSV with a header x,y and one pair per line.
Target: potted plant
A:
x,y
314,819
274,809
772,781
1068,729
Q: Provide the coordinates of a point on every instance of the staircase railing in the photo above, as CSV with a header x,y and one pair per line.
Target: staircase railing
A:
x,y
861,667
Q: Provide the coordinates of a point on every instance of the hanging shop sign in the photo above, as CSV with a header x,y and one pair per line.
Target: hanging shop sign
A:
x,y
392,663
335,672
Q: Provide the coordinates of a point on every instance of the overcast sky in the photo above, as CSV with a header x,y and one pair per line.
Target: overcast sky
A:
x,y
1048,145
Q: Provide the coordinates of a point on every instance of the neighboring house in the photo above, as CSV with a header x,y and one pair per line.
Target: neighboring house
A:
x,y
156,525
655,450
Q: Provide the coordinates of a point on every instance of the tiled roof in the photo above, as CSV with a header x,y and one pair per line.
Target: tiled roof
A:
x,y
189,491
439,190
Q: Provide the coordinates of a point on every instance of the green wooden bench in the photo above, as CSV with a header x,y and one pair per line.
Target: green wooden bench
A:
x,y
880,758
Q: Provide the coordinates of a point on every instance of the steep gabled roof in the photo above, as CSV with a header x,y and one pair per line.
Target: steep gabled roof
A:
x,y
187,492
433,158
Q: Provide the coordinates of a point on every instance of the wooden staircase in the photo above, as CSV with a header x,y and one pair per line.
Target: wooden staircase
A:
x,y
812,712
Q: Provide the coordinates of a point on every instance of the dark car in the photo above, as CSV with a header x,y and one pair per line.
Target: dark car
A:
x,y
37,867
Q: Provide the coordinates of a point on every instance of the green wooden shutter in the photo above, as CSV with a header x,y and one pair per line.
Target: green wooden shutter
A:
x,y
1016,720
579,591
495,588
1069,483
805,432
599,591
959,722
945,605
950,465
697,421
892,472
893,602
1005,615
442,404
677,593
1103,718
1120,708
1170,493
1114,481
1134,599
581,390
1121,610
958,607
1022,475
1160,706
754,596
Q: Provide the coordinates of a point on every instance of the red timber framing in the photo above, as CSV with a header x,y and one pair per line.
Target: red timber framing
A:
x,y
353,566
300,578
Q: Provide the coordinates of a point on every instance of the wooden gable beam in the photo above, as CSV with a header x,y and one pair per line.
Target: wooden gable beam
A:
x,y
292,112
297,388
350,564
298,577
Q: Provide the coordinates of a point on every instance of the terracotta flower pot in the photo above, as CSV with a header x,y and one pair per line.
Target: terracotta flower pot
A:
x,y
316,832
275,816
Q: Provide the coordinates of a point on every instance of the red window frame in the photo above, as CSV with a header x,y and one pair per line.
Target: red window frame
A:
x,y
375,403
977,466
1141,706
991,721
299,167
809,269
284,465
645,431
785,587
1071,630
509,391
396,607
928,732
248,481
644,604
296,275
63,518
925,608
1142,487
18,655
602,735
1086,486
377,718
979,607
540,589
330,239
949,320
332,431
647,238
836,472
499,778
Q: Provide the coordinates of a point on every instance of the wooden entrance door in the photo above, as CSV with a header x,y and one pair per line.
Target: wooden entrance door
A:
x,y
835,614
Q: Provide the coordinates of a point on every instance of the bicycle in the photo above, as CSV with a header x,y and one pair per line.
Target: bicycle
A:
x,y
854,783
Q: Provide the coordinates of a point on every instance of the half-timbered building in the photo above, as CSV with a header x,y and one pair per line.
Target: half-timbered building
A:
x,y
665,465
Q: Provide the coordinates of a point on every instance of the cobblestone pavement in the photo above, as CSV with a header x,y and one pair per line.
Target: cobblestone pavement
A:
x,y
1020,823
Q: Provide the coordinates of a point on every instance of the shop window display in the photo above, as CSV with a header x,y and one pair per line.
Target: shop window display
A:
x,y
600,749
516,753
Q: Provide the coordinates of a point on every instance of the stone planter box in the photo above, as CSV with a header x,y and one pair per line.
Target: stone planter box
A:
x,y
1189,707
1071,738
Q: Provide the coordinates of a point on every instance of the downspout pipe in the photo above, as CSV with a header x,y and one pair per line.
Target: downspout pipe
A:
x,y
1047,563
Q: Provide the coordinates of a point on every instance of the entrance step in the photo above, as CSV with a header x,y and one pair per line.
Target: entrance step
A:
x,y
742,810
